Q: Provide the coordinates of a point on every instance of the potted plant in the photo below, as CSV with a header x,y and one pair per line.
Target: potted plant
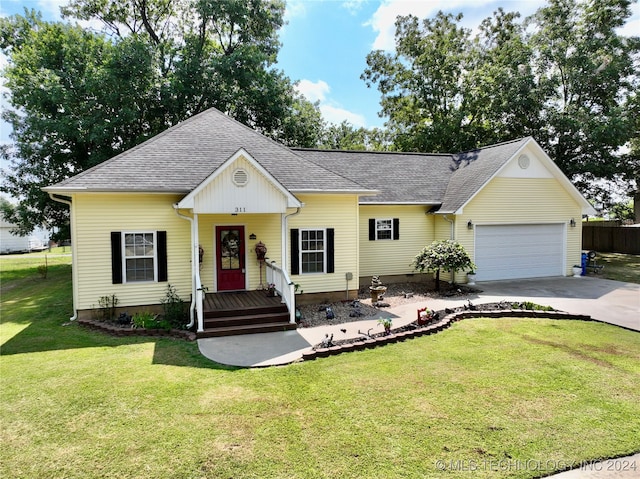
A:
x,y
471,277
386,323
271,290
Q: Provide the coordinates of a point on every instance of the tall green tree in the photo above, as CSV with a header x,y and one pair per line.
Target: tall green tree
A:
x,y
567,83
347,137
586,71
422,84
501,81
79,97
211,53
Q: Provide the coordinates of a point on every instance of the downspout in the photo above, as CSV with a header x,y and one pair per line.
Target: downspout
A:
x,y
452,235
195,271
285,224
73,252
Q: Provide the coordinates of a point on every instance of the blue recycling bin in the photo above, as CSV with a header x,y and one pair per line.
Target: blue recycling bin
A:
x,y
585,261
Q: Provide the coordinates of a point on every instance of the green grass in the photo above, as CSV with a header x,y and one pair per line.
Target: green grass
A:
x,y
620,267
80,404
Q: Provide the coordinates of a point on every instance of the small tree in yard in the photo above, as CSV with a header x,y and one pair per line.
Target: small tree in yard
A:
x,y
445,255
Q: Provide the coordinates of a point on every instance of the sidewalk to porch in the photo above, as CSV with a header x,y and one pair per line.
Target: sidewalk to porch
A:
x,y
284,347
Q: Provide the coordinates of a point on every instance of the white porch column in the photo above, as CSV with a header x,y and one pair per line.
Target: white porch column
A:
x,y
196,270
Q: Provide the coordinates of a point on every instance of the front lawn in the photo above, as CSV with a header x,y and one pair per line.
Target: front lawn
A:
x,y
489,398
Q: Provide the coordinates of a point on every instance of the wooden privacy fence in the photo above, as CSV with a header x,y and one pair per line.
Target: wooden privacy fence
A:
x,y
611,239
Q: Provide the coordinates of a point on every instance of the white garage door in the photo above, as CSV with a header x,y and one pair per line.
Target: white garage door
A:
x,y
519,251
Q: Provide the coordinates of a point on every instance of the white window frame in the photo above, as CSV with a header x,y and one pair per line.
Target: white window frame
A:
x,y
301,252
390,229
125,257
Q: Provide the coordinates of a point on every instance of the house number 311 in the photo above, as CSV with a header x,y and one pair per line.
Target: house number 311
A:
x,y
240,209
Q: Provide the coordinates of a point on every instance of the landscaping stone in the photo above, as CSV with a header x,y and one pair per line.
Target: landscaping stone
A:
x,y
412,330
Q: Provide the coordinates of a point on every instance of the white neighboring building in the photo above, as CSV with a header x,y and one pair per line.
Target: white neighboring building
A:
x,y
11,243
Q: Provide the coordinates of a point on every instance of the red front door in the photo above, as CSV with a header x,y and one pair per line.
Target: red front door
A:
x,y
230,261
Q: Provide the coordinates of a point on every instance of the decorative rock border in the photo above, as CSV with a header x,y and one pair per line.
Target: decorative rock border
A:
x,y
115,330
436,328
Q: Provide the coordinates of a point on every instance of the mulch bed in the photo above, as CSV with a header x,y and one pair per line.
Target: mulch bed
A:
x,y
397,294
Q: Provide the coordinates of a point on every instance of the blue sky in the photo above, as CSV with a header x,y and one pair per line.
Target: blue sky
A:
x,y
325,43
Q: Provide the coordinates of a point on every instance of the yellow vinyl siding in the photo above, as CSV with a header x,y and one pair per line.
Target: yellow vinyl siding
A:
x,y
96,216
329,211
394,257
523,200
266,228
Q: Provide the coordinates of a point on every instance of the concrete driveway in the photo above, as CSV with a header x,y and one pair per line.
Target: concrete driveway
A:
x,y
609,301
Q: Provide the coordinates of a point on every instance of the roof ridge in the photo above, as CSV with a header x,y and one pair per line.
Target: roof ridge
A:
x,y
375,152
494,145
247,127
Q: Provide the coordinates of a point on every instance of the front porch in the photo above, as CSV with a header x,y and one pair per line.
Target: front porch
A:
x,y
243,312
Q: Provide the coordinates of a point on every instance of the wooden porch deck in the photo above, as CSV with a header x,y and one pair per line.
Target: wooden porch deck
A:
x,y
243,312
234,300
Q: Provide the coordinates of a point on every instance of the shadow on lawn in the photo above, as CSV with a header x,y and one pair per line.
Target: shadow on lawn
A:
x,y
40,306
49,335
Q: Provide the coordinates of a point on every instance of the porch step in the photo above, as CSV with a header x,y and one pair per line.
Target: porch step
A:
x,y
246,329
245,311
247,319
228,314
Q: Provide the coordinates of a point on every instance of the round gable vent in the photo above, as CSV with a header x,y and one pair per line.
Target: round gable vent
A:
x,y
524,162
240,177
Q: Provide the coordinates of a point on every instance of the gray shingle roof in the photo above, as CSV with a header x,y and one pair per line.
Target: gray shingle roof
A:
x,y
474,169
183,156
446,179
400,177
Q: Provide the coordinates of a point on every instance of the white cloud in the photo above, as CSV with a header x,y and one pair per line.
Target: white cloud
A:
x,y
353,6
314,91
632,27
294,8
51,8
331,111
337,115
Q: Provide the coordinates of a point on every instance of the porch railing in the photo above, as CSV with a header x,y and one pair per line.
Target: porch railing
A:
x,y
284,287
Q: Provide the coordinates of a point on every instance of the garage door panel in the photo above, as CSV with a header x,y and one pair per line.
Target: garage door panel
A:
x,y
519,251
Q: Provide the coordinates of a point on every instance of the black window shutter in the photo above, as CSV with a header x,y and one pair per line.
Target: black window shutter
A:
x,y
372,229
330,251
295,252
396,228
116,257
161,238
